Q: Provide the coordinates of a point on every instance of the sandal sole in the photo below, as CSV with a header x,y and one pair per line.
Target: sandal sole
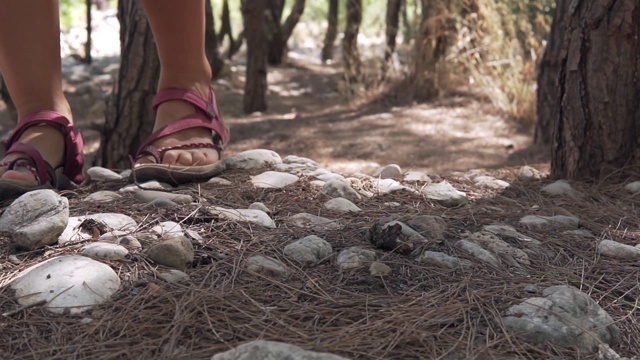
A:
x,y
174,174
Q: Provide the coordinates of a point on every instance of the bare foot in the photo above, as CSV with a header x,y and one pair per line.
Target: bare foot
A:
x,y
47,140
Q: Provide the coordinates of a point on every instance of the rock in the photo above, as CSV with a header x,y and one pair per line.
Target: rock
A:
x,y
317,183
14,260
174,276
293,169
259,206
571,221
176,253
583,233
416,176
125,173
219,181
445,194
509,254
407,231
35,219
168,229
633,187
253,159
618,250
271,350
386,186
559,188
337,188
273,180
102,196
527,173
490,182
354,257
110,221
71,283
442,260
433,227
129,242
305,220
565,317
391,171
341,205
331,176
267,266
245,216
150,195
380,269
309,250
160,204
97,173
105,251
112,236
534,221
149,185
507,231
478,252
298,160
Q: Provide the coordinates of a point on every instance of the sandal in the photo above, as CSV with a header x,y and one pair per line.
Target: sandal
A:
x,y
45,176
206,116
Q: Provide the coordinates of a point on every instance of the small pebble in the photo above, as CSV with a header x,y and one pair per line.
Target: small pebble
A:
x,y
101,174
379,269
150,195
219,181
259,206
102,196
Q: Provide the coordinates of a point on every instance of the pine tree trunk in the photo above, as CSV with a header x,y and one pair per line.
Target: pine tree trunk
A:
x,y
351,56
211,42
393,23
597,125
424,85
255,93
282,33
332,31
275,8
129,117
87,46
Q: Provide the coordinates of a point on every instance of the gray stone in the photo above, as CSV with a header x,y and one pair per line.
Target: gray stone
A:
x,y
35,219
527,173
618,250
112,236
160,204
309,250
433,227
252,159
105,251
633,187
559,188
267,266
102,196
478,252
273,180
129,242
309,221
149,185
271,350
112,221
168,229
292,159
150,195
490,182
220,181
341,205
391,171
174,276
245,216
380,269
445,194
337,188
354,257
571,221
259,206
97,173
565,317
71,283
387,186
534,221
507,231
583,233
509,254
176,253
416,176
406,231
442,260
124,173
331,176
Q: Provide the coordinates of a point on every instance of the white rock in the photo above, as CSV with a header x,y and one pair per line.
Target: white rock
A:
x,y
564,219
167,229
633,187
149,185
490,182
273,180
125,173
442,260
309,250
386,186
534,221
337,188
305,220
558,188
101,174
151,195
112,221
129,242
292,159
253,159
445,194
513,256
317,183
259,206
391,171
478,252
35,219
267,266
102,196
220,181
160,203
341,205
386,115
416,176
245,215
105,251
380,269
70,283
175,252
271,350
330,177
618,250
354,257
112,236
527,173
392,204
509,232
173,276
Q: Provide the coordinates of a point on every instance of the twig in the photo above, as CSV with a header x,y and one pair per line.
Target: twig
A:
x,y
24,307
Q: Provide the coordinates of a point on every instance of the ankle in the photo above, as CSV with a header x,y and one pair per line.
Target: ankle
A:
x,y
58,105
198,82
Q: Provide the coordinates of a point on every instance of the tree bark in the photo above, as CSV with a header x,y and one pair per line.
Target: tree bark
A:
x,y
332,31
597,126
280,33
424,85
129,116
227,31
211,42
351,56
393,23
255,91
87,46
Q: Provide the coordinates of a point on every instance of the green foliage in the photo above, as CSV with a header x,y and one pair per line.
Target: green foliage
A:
x,y
72,13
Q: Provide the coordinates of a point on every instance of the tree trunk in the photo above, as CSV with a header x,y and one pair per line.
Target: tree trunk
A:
x,y
87,46
255,90
129,117
351,56
548,93
227,31
393,23
424,84
211,42
282,33
332,31
598,123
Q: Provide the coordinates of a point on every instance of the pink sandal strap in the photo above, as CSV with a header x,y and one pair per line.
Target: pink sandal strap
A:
x,y
206,116
73,160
